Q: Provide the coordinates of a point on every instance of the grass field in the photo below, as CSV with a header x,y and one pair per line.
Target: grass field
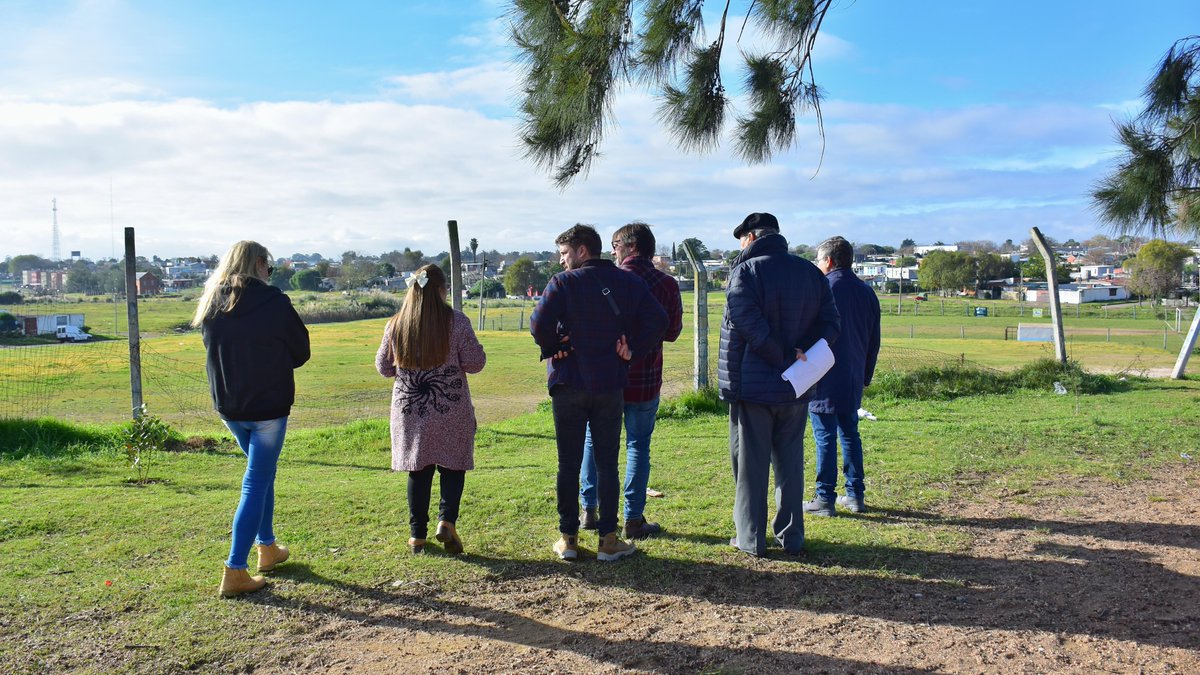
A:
x,y
90,382
109,575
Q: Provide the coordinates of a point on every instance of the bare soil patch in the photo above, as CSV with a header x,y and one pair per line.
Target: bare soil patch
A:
x,y
1077,575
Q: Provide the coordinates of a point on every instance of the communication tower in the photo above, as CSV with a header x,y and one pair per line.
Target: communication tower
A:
x,y
55,247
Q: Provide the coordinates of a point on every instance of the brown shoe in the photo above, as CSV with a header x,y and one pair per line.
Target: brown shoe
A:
x,y
236,582
449,538
567,546
588,519
640,528
612,548
416,545
271,555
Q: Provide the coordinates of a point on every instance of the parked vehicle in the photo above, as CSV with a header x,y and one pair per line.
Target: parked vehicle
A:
x,y
71,334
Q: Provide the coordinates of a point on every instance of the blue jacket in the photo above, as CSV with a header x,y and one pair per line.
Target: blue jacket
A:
x,y
855,352
594,305
775,303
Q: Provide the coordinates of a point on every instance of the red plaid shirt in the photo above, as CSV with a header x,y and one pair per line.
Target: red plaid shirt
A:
x,y
645,373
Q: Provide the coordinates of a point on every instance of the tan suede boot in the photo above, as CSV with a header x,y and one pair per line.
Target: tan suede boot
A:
x,y
270,555
449,538
236,582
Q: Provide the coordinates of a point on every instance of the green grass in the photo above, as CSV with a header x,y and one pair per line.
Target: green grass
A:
x,y
89,383
70,524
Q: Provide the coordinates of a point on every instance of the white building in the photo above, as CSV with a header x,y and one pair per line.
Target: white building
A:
x,y
923,250
1077,294
1096,272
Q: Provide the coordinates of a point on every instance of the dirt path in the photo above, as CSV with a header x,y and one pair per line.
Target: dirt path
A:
x,y
1104,581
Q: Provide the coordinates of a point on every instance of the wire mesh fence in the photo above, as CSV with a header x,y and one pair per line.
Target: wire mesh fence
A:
x,y
90,383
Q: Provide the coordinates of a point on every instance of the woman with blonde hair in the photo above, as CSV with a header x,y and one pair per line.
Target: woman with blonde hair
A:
x,y
428,348
254,340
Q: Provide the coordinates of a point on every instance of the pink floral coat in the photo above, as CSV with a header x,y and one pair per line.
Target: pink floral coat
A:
x,y
433,418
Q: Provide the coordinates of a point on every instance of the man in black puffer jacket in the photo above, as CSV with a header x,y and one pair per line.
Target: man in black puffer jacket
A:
x,y
777,307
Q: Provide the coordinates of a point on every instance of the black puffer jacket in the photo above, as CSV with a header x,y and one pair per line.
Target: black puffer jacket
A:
x,y
775,303
252,351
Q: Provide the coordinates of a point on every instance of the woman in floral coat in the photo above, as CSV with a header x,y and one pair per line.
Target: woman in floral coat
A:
x,y
428,348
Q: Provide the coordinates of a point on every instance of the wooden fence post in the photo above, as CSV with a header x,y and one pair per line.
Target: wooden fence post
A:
x,y
135,340
455,266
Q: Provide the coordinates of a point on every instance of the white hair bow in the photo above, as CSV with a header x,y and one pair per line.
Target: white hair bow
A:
x,y
418,279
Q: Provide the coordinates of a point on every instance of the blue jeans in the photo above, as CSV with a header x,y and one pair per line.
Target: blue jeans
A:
x,y
828,429
262,442
639,425
574,411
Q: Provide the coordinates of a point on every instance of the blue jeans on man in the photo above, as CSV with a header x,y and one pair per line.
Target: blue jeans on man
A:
x,y
828,430
253,522
639,426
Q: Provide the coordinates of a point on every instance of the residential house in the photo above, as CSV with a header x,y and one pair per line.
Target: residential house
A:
x,y
148,283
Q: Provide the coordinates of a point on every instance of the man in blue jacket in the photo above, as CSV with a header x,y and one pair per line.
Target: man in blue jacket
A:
x,y
777,307
838,396
593,318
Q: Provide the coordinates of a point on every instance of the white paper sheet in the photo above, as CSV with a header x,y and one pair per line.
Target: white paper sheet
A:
x,y
804,374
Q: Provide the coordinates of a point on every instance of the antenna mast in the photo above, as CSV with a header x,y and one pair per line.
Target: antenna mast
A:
x,y
55,248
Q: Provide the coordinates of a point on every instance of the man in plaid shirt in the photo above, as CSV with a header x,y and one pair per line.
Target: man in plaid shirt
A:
x,y
632,246
592,320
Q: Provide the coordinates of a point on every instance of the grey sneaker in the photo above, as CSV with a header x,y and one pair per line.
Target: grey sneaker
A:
x,y
819,507
851,504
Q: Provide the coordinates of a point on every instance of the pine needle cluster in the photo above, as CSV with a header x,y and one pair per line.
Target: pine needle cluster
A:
x,y
1156,186
577,53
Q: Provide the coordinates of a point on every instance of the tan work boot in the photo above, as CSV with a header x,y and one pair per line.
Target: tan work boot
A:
x,y
612,548
449,537
567,546
270,555
236,582
416,546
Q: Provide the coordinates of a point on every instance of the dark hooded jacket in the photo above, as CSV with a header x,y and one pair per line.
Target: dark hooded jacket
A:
x,y
856,350
252,351
776,302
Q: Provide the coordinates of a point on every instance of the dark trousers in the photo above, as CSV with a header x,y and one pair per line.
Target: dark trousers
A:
x,y
574,411
761,438
420,484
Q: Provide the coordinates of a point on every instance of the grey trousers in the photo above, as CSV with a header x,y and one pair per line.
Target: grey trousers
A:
x,y
762,437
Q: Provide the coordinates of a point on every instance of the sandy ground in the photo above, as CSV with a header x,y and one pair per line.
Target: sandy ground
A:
x,y
1107,580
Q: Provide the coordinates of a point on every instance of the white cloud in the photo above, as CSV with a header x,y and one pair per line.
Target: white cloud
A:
x,y
488,84
321,176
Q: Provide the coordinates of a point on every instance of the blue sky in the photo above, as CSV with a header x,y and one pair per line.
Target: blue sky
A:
x,y
315,126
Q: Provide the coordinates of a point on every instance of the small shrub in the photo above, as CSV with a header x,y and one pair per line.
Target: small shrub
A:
x,y
706,401
145,437
952,381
